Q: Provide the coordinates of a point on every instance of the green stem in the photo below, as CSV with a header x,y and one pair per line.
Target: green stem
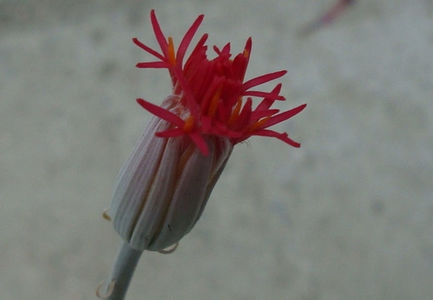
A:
x,y
116,286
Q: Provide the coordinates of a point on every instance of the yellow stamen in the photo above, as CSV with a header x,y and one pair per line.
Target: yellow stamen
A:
x,y
171,54
189,124
258,124
235,114
214,103
246,53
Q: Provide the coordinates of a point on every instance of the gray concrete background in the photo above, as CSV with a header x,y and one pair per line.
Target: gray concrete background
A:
x,y
347,216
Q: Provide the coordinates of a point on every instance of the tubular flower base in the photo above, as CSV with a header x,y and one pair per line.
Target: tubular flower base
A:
x,y
163,188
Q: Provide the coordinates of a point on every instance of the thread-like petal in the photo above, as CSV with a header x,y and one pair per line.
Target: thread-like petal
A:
x,y
148,49
153,64
161,112
262,79
162,41
183,46
284,115
281,136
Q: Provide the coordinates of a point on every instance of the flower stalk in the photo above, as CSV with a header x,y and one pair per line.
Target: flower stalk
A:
x,y
116,286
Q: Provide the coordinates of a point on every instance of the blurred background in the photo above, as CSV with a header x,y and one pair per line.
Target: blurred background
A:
x,y
349,215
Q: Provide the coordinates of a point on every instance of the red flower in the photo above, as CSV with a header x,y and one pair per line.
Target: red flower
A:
x,y
209,94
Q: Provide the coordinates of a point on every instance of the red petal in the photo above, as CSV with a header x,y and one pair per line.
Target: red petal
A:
x,y
200,143
263,94
256,115
268,101
162,41
226,50
244,117
284,116
262,79
206,124
281,136
153,64
191,103
199,47
161,112
183,46
147,49
170,133
210,91
247,49
222,130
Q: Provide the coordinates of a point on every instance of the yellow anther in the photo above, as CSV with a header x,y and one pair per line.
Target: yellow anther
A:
x,y
214,102
189,124
171,54
246,53
258,124
235,114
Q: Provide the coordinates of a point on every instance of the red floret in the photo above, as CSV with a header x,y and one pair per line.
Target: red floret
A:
x,y
211,91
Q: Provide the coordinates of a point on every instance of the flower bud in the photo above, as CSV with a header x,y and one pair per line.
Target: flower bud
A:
x,y
163,187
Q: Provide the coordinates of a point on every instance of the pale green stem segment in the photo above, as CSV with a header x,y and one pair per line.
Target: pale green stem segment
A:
x,y
116,286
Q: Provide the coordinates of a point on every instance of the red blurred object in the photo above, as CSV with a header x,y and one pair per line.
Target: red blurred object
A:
x,y
327,18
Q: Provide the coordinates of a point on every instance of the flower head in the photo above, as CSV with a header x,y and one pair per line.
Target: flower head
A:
x,y
210,93
163,187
